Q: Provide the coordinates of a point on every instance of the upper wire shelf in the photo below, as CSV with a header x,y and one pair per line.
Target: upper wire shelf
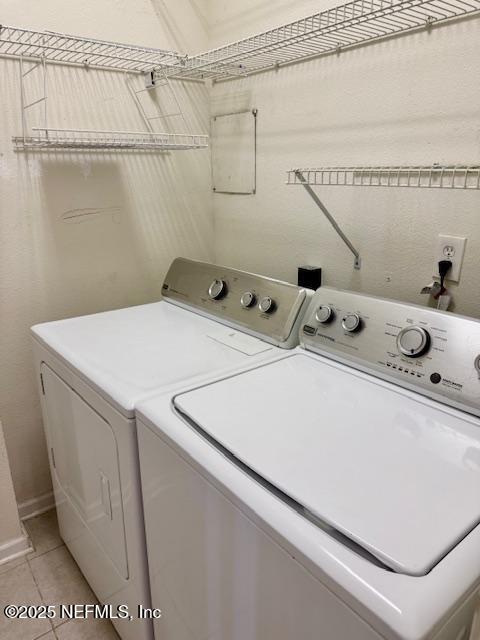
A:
x,y
68,49
434,177
331,30
49,138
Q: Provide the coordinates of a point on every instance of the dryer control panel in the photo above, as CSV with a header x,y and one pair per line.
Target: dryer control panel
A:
x,y
430,351
261,306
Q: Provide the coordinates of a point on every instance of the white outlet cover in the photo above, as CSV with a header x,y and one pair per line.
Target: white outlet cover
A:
x,y
450,248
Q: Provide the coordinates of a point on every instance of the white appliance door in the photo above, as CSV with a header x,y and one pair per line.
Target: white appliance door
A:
x,y
85,461
395,473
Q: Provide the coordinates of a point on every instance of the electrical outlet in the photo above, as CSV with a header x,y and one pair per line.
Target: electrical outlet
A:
x,y
450,248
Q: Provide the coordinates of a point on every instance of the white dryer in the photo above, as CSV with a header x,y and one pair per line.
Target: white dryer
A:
x,y
92,372
332,493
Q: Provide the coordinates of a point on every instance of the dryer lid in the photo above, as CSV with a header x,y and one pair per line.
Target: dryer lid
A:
x,y
130,354
394,472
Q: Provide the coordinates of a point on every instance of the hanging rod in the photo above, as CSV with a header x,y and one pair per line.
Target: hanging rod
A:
x,y
357,263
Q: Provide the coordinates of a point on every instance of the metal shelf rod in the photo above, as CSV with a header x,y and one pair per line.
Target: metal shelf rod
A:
x,y
31,104
357,260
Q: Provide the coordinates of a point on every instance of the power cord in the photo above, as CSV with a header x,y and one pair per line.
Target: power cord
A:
x,y
444,267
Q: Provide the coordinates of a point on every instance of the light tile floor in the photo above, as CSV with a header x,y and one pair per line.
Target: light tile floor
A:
x,y
48,575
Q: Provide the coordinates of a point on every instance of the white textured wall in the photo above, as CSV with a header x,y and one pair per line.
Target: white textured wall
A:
x,y
410,99
142,209
9,521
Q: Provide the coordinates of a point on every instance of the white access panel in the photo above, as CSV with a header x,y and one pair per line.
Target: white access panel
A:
x,y
84,458
233,144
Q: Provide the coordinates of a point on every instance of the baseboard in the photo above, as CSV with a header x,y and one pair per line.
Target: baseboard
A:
x,y
36,506
15,548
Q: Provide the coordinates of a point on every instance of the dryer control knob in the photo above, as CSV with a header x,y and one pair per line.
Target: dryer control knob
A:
x,y
352,322
266,305
248,299
413,341
324,314
217,290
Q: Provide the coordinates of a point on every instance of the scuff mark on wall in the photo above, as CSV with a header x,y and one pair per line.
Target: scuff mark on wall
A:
x,y
89,214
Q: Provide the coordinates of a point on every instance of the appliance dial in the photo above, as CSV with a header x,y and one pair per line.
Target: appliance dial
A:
x,y
413,341
266,305
351,322
248,299
476,364
324,314
217,290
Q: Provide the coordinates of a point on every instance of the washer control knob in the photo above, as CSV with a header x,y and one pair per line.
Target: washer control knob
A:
x,y
324,314
413,341
351,322
476,364
248,299
266,305
217,290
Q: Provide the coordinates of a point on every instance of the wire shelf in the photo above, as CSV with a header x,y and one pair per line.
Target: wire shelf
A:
x,y
48,138
332,30
433,177
68,49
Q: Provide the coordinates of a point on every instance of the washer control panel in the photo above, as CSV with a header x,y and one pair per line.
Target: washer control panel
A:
x,y
433,352
259,305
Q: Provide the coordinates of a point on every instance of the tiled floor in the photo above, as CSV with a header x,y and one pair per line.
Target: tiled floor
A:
x,y
48,575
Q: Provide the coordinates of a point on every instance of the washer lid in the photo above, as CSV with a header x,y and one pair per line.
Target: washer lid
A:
x,y
396,473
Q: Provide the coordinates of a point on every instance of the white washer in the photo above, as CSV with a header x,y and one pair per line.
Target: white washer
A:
x,y
331,493
93,370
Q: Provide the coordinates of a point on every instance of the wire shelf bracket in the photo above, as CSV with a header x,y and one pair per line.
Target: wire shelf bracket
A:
x,y
357,262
